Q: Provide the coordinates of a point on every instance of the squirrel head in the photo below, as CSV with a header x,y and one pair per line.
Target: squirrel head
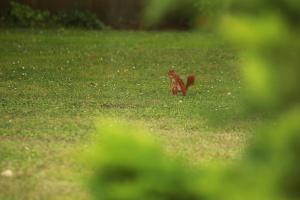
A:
x,y
171,73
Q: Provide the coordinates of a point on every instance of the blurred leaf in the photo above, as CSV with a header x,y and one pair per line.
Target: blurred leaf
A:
x,y
246,31
128,164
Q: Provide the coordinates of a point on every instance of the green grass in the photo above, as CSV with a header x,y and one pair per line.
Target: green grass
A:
x,y
54,85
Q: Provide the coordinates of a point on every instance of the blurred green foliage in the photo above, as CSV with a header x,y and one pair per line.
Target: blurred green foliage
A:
x,y
267,31
21,15
77,18
128,164
275,157
201,13
25,16
288,9
269,170
268,34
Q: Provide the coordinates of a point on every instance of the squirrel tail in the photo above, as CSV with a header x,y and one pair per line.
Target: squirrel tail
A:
x,y
190,81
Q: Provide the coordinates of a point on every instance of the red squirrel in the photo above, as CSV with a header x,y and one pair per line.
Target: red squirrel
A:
x,y
177,85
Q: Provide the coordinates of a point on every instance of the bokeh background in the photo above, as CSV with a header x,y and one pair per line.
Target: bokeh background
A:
x,y
265,34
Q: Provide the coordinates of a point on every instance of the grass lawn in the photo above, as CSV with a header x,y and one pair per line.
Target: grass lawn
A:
x,y
54,85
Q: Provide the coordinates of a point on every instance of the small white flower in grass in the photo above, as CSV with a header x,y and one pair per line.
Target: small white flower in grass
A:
x,y
180,101
229,93
7,173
